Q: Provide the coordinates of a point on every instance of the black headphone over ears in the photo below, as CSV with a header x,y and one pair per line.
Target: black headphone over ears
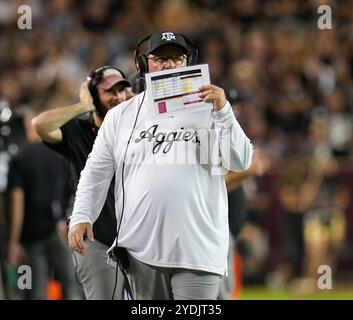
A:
x,y
94,77
141,61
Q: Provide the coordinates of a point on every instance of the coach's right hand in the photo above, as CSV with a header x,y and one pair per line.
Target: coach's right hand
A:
x,y
76,234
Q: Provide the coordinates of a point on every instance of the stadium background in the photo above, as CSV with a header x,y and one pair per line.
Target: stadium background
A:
x,y
282,73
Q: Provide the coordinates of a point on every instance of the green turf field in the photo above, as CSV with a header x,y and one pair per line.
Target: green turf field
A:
x,y
262,293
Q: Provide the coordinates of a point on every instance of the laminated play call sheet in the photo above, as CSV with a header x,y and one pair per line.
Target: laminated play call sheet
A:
x,y
175,91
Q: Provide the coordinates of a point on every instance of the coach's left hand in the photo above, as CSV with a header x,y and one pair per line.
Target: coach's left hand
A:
x,y
214,94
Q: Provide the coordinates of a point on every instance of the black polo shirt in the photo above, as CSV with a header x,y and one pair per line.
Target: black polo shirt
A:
x,y
77,142
39,172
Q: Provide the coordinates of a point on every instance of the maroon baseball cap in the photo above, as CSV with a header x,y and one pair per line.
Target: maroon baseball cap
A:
x,y
111,77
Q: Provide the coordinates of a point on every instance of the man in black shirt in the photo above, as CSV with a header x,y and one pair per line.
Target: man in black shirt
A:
x,y
36,186
63,130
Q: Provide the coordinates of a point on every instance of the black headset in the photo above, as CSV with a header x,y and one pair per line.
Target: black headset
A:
x,y
94,77
141,60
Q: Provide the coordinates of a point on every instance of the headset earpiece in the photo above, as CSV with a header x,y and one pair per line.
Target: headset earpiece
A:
x,y
193,52
142,64
141,61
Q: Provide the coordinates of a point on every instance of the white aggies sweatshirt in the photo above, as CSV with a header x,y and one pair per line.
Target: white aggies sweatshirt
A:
x,y
175,208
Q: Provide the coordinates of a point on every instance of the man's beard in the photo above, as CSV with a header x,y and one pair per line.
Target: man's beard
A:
x,y
102,110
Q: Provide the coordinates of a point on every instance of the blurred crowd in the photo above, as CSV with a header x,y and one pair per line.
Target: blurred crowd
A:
x,y
290,83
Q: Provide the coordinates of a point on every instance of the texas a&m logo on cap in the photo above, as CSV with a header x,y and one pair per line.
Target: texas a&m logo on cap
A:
x,y
168,36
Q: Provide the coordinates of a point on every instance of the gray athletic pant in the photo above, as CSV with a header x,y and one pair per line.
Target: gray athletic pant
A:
x,y
156,283
43,254
95,275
